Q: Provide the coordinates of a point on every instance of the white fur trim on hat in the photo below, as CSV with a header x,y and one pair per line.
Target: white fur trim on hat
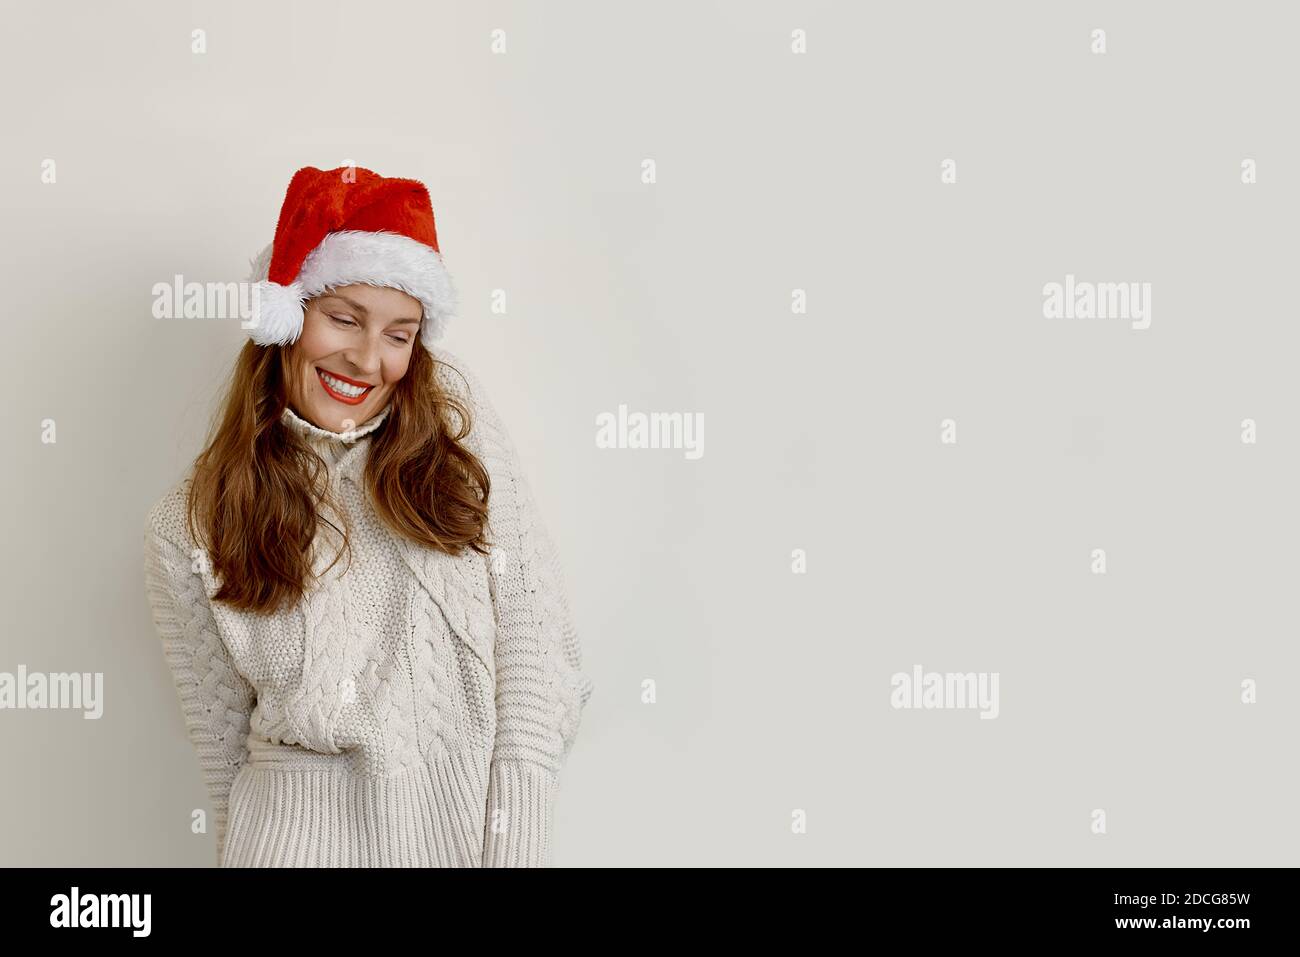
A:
x,y
350,256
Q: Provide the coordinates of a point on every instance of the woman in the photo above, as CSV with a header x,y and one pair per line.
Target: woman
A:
x,y
361,608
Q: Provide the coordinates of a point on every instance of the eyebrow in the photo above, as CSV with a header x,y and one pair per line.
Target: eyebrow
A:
x,y
366,312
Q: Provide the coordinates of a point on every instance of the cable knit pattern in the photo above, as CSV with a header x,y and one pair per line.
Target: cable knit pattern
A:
x,y
414,709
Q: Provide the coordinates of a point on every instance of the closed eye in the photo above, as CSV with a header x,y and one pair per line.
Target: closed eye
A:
x,y
348,321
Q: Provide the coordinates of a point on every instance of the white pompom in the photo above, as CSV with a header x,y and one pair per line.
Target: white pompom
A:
x,y
277,313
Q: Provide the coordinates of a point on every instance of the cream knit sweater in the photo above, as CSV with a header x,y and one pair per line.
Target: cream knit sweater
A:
x,y
413,710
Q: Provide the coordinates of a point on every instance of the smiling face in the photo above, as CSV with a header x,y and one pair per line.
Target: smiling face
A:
x,y
355,346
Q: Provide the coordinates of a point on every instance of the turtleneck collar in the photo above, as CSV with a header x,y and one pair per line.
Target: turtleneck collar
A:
x,y
334,447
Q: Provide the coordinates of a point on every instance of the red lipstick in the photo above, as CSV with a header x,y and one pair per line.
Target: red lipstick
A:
x,y
345,399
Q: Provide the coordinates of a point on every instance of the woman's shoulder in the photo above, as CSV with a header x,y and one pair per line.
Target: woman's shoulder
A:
x,y
166,518
455,376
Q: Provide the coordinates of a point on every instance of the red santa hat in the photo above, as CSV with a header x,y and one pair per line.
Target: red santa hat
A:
x,y
349,225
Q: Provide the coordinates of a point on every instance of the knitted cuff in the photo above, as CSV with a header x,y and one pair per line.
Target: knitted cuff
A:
x,y
521,799
221,824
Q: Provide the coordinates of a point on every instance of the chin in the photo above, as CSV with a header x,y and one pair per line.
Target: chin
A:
x,y
346,419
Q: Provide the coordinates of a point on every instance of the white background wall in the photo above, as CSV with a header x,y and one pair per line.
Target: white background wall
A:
x,y
776,171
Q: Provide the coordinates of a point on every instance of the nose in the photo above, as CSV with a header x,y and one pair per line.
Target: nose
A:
x,y
363,357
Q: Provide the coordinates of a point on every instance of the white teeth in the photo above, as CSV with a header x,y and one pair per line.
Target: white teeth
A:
x,y
344,388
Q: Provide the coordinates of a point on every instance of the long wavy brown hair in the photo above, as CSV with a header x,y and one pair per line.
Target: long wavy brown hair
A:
x,y
259,493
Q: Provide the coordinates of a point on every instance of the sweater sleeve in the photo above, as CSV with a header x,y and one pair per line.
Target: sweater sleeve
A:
x,y
216,700
541,686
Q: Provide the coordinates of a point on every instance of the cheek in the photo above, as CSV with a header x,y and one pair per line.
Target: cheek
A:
x,y
319,339
395,368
